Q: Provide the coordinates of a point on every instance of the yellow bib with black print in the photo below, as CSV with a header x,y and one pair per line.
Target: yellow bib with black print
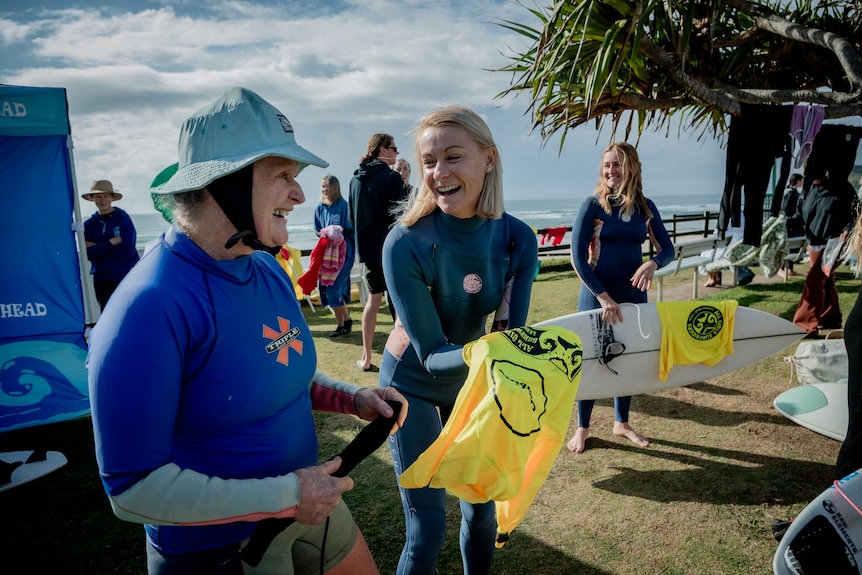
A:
x,y
508,423
694,332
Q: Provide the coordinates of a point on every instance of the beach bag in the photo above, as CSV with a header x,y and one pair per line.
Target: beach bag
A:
x,y
820,360
831,255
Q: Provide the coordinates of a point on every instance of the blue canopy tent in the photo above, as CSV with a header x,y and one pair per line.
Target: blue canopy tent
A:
x,y
42,288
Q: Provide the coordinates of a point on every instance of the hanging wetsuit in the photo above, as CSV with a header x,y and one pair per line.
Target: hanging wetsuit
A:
x,y
756,138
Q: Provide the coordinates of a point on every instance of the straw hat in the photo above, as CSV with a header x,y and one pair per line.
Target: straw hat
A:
x,y
234,131
102,186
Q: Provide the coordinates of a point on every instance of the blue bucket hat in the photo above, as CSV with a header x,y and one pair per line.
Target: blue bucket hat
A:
x,y
231,133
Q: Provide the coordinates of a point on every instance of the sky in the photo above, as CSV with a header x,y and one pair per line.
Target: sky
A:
x,y
340,70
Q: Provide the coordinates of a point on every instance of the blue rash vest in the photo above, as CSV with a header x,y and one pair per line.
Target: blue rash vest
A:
x,y
206,366
607,250
445,276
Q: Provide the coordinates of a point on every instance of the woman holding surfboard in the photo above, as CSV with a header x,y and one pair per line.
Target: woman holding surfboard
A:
x,y
449,262
607,246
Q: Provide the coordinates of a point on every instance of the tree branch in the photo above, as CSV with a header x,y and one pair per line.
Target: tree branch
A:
x,y
695,88
766,19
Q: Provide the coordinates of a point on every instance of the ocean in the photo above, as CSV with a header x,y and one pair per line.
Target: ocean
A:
x,y
539,213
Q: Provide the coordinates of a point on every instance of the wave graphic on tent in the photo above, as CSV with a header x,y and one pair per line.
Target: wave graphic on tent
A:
x,y
41,382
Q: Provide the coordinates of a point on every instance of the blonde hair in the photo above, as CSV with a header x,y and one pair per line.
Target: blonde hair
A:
x,y
422,201
630,193
334,190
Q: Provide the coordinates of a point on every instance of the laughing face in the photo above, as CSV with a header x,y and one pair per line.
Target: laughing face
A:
x,y
454,168
275,192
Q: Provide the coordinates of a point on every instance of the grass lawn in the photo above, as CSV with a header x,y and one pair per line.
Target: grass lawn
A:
x,y
699,500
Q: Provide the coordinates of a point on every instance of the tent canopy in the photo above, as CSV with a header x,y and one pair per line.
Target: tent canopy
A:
x,y
42,346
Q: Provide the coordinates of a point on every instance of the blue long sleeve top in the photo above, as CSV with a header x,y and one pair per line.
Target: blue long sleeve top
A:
x,y
445,276
202,380
607,250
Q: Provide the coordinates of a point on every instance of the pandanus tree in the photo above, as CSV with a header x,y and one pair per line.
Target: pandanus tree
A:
x,y
639,63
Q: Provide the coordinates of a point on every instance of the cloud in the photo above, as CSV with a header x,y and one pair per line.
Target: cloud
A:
x,y
340,72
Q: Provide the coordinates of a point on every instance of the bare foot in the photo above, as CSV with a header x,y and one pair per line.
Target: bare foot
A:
x,y
625,430
578,441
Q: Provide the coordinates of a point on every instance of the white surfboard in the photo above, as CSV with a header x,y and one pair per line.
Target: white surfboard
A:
x,y
20,467
820,407
756,335
827,536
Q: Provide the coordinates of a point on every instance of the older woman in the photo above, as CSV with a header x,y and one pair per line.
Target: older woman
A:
x,y
447,264
610,229
203,371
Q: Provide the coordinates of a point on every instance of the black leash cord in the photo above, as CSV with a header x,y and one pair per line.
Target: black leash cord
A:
x,y
366,442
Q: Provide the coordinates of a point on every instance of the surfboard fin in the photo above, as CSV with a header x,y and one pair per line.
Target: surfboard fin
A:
x,y
37,456
6,470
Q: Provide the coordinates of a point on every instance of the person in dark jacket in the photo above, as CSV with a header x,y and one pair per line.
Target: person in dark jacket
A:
x,y
828,207
791,208
110,238
375,190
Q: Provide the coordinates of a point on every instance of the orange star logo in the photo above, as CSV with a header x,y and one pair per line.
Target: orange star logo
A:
x,y
282,340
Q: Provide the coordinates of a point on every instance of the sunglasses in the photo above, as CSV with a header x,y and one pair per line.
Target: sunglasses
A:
x,y
393,148
611,351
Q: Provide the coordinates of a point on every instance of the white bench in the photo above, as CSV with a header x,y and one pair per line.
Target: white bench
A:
x,y
687,256
797,250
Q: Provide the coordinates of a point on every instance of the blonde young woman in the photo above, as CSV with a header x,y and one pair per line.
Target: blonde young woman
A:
x,y
607,252
447,264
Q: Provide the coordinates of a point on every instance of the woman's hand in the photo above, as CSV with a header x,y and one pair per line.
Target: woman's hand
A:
x,y
642,278
611,312
371,402
319,491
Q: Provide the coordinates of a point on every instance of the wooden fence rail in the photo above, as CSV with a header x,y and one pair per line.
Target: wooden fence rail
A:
x,y
673,224
675,229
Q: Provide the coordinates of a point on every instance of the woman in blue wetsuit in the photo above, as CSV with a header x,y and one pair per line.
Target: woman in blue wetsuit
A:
x,y
610,229
448,263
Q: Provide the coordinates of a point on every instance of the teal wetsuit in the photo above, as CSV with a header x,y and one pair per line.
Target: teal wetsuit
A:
x,y
446,276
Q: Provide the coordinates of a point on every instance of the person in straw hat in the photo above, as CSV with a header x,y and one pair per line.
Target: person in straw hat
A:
x,y
110,238
203,371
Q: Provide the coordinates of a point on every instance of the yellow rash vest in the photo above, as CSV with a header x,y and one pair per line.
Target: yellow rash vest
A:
x,y
694,332
508,423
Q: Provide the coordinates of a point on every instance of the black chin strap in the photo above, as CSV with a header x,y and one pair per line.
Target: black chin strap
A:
x,y
233,194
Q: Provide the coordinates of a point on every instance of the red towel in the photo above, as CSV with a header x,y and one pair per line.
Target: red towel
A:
x,y
308,280
554,236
